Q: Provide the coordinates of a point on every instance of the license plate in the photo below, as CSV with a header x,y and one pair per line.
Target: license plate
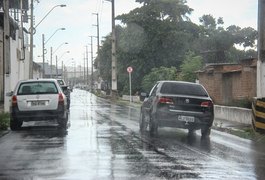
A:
x,y
38,103
186,118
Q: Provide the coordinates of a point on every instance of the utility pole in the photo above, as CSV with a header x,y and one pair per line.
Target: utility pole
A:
x,y
43,56
6,62
92,82
261,50
63,71
51,63
6,38
259,101
97,42
86,65
114,92
57,67
31,40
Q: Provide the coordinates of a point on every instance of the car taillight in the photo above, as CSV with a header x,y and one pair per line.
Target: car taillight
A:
x,y
164,100
207,104
61,99
14,100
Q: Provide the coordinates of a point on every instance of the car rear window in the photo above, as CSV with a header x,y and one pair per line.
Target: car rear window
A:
x,y
183,89
37,88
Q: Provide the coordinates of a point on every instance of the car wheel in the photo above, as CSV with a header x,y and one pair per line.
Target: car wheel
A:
x,y
15,124
191,130
68,104
142,123
63,121
205,132
153,127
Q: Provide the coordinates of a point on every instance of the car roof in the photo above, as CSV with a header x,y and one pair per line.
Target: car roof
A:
x,y
35,80
180,82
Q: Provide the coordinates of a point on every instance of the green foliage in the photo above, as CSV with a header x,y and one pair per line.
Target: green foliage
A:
x,y
104,57
158,74
215,42
189,66
159,33
4,121
244,103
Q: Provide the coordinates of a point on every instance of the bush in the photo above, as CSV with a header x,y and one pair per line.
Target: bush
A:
x,y
4,121
243,103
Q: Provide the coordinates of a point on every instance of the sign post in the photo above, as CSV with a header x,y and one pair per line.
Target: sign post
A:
x,y
129,70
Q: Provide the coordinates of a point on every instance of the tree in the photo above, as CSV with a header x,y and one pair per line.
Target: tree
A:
x,y
215,42
104,56
189,66
158,74
159,34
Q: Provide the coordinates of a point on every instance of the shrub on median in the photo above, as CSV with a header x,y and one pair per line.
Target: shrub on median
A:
x,y
4,121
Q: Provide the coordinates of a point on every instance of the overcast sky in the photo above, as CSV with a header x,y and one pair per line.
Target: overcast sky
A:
x,y
78,20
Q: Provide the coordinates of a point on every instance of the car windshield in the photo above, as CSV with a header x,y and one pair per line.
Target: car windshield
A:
x,y
183,88
132,89
37,88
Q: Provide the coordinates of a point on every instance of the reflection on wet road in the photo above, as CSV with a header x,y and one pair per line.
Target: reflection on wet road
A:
x,y
103,142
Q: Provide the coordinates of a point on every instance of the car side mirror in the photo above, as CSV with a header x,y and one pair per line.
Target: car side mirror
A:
x,y
143,95
10,93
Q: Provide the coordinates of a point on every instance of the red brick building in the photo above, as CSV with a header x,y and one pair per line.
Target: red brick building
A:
x,y
229,83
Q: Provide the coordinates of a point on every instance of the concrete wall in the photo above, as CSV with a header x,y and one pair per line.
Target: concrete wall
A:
x,y
134,98
228,84
19,68
235,114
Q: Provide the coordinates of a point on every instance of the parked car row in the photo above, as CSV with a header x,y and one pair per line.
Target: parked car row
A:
x,y
37,100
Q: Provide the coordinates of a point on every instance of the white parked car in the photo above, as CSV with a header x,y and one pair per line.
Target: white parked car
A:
x,y
37,100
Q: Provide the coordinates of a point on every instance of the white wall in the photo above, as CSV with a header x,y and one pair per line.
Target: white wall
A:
x,y
19,68
235,114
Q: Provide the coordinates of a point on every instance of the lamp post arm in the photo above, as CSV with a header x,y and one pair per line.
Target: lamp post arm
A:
x,y
48,14
54,34
59,47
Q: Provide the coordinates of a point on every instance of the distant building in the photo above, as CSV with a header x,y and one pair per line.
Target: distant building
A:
x,y
229,83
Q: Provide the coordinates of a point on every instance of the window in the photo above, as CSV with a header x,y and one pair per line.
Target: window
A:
x,y
153,91
37,88
183,88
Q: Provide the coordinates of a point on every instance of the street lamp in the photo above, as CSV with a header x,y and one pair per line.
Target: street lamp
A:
x,y
56,56
59,47
43,50
62,62
33,31
61,5
55,33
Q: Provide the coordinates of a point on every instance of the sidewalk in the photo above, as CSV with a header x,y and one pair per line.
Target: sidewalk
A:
x,y
226,124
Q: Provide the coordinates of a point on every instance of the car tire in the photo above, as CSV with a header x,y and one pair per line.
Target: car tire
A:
x,y
191,131
205,132
15,124
63,121
153,127
142,123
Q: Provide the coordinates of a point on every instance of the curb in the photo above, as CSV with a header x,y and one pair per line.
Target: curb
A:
x,y
3,133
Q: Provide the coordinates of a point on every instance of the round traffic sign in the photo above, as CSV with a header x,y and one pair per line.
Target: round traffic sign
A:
x,y
129,69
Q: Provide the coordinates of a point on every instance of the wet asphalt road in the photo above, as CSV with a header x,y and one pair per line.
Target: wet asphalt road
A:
x,y
103,142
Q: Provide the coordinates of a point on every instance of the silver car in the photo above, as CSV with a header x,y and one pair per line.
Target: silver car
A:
x,y
37,100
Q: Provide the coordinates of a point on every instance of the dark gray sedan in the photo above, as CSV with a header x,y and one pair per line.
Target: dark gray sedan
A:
x,y
177,104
